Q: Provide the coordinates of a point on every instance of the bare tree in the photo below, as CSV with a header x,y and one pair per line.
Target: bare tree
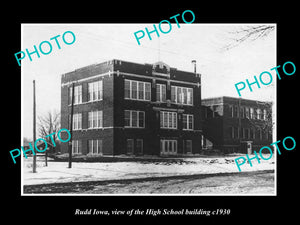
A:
x,y
26,140
250,33
48,124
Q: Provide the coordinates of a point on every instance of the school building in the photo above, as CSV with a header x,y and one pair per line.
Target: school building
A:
x,y
236,124
130,108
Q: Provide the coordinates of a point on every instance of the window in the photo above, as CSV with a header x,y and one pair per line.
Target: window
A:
x,y
147,91
247,133
231,111
134,89
254,114
214,111
267,134
188,121
129,146
77,121
95,119
168,120
265,114
165,116
182,95
95,91
76,146
161,92
205,112
173,94
139,146
127,118
137,90
95,146
127,88
236,112
134,118
242,114
208,112
168,147
77,94
141,119
187,146
141,90
259,114
251,113
189,96
252,133
232,132
247,112
244,130
258,134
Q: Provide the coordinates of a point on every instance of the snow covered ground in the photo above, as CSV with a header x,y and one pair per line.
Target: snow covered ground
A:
x,y
58,172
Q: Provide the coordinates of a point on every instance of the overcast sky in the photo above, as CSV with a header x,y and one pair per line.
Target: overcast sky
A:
x,y
96,43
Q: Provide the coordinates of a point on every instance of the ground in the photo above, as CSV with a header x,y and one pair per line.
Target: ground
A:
x,y
199,175
261,182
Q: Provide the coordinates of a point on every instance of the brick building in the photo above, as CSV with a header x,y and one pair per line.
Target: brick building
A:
x,y
236,124
129,108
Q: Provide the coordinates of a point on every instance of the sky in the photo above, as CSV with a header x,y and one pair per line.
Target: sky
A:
x,y
220,70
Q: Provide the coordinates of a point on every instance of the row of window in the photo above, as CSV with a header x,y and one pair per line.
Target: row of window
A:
x,y
95,146
182,95
95,120
133,146
248,133
138,90
238,112
169,147
248,112
169,120
135,90
95,92
135,119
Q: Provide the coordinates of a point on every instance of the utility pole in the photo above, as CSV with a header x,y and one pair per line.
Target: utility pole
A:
x,y
71,128
34,124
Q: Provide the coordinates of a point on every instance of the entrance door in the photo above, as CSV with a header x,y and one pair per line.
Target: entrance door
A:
x,y
249,147
246,147
243,147
130,145
168,147
139,146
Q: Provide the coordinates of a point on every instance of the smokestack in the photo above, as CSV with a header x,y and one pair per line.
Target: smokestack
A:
x,y
194,62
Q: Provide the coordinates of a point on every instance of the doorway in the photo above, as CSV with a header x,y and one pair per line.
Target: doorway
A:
x,y
246,147
168,147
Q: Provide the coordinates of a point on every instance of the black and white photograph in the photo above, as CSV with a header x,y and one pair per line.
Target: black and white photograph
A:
x,y
150,113
160,118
